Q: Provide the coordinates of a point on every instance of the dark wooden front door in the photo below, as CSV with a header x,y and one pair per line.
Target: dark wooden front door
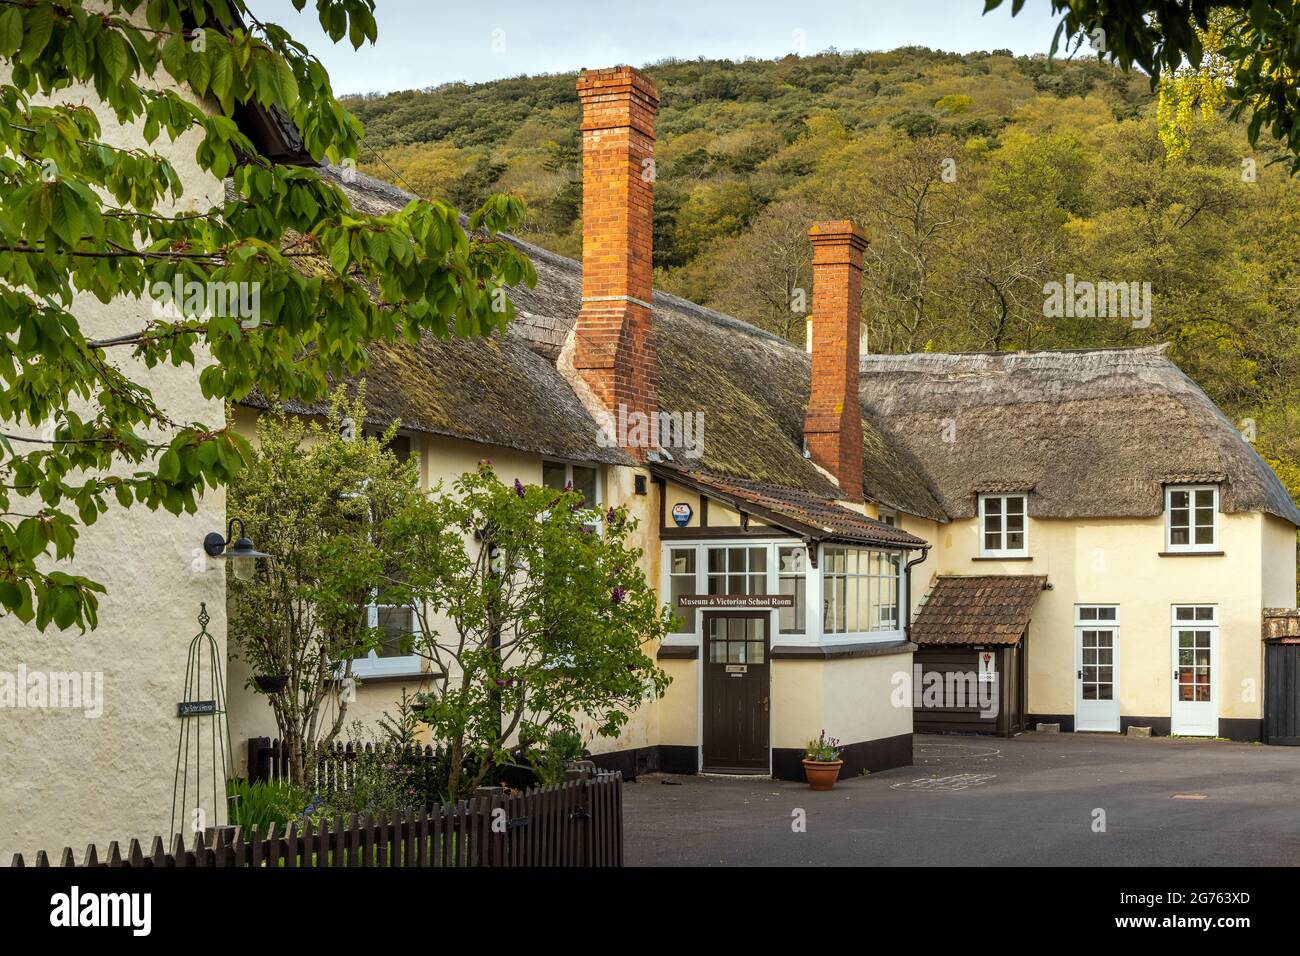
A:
x,y
736,692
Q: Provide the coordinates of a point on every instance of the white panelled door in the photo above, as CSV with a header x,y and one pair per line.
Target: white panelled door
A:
x,y
1195,709
1096,655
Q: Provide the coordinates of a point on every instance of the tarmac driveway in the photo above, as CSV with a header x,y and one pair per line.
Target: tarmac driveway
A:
x,y
1037,799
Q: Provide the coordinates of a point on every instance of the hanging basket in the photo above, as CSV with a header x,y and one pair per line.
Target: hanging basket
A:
x,y
271,683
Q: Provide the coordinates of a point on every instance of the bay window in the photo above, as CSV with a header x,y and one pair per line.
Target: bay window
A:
x,y
861,590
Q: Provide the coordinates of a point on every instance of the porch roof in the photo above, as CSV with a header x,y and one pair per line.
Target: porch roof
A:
x,y
805,513
978,609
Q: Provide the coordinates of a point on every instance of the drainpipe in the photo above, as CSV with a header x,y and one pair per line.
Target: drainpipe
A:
x,y
907,578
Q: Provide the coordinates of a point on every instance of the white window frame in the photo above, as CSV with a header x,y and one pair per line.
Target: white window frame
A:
x,y
407,665
888,516
814,634
793,576
874,609
568,477
1191,547
689,623
372,665
1003,552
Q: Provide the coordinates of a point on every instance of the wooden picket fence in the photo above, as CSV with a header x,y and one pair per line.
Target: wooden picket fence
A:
x,y
332,767
575,823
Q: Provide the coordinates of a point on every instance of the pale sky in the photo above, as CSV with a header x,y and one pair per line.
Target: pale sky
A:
x,y
429,42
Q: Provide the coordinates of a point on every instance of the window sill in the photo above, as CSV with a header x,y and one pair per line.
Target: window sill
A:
x,y
821,652
392,678
678,652
1007,557
1191,554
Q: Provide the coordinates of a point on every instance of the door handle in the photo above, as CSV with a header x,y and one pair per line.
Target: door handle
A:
x,y
1080,675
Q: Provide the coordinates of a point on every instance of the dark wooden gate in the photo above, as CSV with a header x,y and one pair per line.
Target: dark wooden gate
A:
x,y
1282,694
736,692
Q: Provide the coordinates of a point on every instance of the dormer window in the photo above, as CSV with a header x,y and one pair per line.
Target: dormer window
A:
x,y
1003,526
1191,518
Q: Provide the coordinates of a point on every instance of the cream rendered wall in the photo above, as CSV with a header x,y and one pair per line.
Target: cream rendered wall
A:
x,y
69,780
1116,561
442,461
851,698
1279,561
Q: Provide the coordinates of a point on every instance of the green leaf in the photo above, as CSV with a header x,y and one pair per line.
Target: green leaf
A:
x,y
11,31
39,27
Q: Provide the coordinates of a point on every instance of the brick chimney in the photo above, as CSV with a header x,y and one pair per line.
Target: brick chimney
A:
x,y
833,428
613,350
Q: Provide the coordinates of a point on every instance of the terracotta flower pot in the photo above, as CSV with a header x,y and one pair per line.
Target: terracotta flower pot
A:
x,y
822,774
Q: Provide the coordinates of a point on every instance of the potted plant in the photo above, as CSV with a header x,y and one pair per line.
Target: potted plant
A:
x,y
822,763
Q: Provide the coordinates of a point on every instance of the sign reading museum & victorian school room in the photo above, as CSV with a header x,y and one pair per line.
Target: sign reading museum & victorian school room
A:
x,y
735,602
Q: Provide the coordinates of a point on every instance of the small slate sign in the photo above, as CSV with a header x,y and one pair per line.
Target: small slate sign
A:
x,y
196,708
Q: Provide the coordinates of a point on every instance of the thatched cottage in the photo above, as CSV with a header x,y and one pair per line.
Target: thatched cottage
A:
x,y
875,535
860,544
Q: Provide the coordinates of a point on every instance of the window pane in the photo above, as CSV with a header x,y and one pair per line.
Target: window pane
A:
x,y
1087,614
792,560
1016,505
1205,498
554,475
1106,613
1179,499
992,523
683,560
757,584
1204,614
395,622
584,481
1178,535
677,586
792,618
993,506
1015,523
1015,540
1184,613
736,559
717,559
757,559
1204,534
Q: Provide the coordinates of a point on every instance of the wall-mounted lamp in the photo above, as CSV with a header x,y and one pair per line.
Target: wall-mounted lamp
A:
x,y
238,551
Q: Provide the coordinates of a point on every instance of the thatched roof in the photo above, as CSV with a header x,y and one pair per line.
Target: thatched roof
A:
x,y
977,609
1089,433
751,386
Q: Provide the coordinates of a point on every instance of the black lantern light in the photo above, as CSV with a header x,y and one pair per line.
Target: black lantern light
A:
x,y
238,551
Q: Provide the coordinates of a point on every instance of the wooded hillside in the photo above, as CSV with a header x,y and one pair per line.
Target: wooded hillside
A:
x,y
980,177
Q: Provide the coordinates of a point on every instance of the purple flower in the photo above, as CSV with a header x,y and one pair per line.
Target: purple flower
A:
x,y
618,594
519,488
609,516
